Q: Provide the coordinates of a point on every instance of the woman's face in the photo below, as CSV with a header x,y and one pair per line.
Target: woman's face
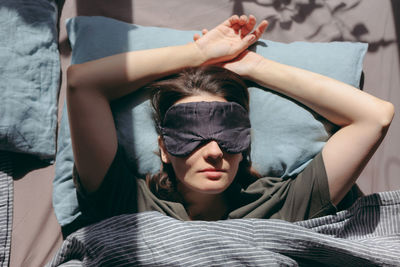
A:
x,y
208,169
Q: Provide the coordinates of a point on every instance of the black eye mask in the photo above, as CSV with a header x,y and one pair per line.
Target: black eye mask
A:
x,y
189,125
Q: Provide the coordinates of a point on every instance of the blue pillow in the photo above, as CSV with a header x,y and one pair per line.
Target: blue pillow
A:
x,y
285,134
29,77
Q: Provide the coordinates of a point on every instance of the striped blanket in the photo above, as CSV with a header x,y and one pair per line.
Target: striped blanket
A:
x,y
367,234
6,207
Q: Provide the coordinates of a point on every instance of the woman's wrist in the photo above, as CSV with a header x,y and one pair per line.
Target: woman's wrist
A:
x,y
259,71
196,54
200,53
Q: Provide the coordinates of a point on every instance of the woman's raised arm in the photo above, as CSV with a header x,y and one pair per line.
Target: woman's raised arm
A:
x,y
92,85
363,118
90,88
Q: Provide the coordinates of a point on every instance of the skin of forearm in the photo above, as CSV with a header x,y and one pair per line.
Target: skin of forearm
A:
x,y
121,74
338,102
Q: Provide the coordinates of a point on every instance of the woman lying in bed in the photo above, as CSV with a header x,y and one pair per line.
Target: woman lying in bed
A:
x,y
201,106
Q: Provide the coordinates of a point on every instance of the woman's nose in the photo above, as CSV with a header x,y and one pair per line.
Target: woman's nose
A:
x,y
212,150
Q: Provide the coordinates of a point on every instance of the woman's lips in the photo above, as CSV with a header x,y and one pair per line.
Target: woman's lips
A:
x,y
213,173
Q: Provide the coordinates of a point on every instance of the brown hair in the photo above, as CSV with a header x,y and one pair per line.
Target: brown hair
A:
x,y
196,81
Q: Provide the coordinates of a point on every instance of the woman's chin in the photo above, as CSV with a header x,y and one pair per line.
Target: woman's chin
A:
x,y
212,187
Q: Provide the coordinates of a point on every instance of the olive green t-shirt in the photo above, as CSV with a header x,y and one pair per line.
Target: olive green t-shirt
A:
x,y
298,198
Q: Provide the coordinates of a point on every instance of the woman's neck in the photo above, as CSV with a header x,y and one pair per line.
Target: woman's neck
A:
x,y
208,207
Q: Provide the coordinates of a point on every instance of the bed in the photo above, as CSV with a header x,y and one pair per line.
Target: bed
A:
x,y
32,232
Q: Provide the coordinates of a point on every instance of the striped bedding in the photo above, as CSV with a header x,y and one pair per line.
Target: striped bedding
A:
x,y
367,234
6,207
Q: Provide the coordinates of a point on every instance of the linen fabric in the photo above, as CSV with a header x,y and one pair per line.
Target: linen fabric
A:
x,y
367,234
29,77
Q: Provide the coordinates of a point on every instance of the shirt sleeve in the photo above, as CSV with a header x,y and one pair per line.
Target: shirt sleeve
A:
x,y
308,193
116,195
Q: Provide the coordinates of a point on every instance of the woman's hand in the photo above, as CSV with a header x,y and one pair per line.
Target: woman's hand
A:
x,y
229,39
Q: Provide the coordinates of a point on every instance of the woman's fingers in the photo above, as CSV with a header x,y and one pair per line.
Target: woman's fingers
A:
x,y
196,37
248,26
244,26
242,20
256,34
238,27
231,21
260,29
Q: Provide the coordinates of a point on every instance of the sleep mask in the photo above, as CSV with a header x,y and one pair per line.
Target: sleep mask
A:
x,y
187,126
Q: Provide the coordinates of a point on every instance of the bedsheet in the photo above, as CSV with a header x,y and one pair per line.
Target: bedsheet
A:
x,y
367,234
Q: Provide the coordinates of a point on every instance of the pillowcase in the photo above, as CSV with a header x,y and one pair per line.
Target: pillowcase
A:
x,y
29,75
285,134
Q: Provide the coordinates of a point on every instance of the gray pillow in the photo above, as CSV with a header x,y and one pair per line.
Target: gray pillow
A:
x,y
29,77
285,134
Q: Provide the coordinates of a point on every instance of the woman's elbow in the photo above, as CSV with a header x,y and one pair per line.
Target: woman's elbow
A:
x,y
74,79
79,83
377,117
387,114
